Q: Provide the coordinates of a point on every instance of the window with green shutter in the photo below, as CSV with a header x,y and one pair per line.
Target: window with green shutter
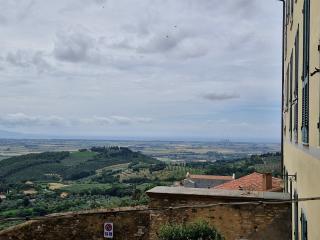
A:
x,y
296,216
296,87
304,227
305,75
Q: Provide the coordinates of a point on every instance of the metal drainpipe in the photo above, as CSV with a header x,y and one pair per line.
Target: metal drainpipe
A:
x,y
282,84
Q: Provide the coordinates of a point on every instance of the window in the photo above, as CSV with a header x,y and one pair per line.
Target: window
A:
x,y
296,216
305,75
286,181
288,10
304,227
296,87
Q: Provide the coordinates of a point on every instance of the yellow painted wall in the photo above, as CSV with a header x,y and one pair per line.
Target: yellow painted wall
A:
x,y
298,158
307,185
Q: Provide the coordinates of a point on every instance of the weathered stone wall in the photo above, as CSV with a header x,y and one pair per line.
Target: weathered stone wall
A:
x,y
256,222
240,218
129,223
235,214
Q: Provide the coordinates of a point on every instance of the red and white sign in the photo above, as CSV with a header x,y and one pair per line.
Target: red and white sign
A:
x,y
108,230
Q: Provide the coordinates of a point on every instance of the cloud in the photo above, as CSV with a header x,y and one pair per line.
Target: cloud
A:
x,y
174,42
24,120
118,120
27,59
19,58
16,11
161,42
220,96
75,46
3,20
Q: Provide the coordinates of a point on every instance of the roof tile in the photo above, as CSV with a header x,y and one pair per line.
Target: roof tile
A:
x,y
251,182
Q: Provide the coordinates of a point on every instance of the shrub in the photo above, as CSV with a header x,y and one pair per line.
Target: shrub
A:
x,y
193,231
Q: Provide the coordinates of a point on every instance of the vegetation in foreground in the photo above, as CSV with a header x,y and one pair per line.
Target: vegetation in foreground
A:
x,y
191,231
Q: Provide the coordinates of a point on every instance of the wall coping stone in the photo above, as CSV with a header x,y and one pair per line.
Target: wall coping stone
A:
x,y
218,193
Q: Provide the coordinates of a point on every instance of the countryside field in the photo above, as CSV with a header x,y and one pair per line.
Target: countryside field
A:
x,y
37,184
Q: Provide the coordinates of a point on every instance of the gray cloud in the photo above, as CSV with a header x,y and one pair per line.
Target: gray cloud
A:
x,y
3,20
162,42
27,59
75,46
19,58
24,120
16,11
220,96
121,120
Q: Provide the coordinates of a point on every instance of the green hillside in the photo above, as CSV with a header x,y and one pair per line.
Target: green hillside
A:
x,y
102,177
50,166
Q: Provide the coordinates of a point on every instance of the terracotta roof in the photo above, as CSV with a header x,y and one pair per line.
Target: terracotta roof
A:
x,y
211,177
251,182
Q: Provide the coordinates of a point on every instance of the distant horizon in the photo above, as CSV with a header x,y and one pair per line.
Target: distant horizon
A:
x,y
27,136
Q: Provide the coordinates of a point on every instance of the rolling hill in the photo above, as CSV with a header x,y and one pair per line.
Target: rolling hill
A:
x,y
49,166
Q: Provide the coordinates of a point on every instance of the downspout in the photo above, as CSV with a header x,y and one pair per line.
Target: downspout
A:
x,y
282,84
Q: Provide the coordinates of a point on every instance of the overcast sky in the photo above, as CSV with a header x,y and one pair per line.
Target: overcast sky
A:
x,y
175,69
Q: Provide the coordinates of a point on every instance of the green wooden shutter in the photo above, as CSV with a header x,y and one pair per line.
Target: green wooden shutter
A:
x,y
304,227
296,87
296,216
305,76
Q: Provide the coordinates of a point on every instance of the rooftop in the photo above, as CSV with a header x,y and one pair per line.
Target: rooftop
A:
x,y
251,182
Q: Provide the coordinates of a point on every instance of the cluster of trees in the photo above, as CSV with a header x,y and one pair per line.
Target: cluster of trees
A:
x,y
19,205
157,167
239,167
271,154
13,165
226,168
79,175
107,177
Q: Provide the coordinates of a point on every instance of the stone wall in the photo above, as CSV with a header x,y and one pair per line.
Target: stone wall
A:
x,y
129,223
256,222
240,221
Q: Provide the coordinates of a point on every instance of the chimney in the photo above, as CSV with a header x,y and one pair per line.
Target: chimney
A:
x,y
267,181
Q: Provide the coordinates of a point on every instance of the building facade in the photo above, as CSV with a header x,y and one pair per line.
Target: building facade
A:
x,y
301,114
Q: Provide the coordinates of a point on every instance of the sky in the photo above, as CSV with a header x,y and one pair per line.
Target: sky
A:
x,y
145,69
